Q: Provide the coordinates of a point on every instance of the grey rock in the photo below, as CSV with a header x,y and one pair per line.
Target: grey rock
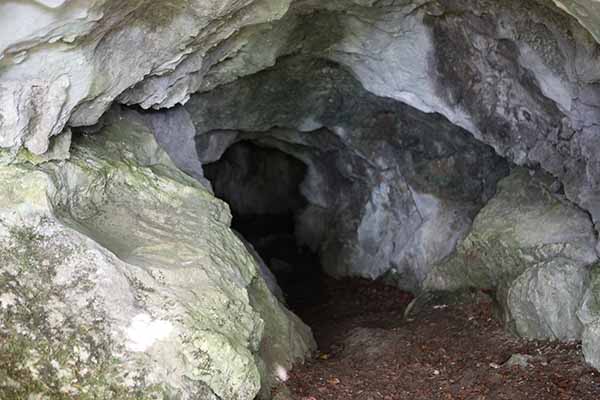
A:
x,y
589,315
518,360
523,226
68,63
535,249
265,271
543,301
121,271
390,190
175,132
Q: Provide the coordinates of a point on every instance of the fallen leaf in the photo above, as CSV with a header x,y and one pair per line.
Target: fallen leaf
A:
x,y
333,381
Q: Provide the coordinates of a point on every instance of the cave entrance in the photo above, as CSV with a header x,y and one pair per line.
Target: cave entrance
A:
x,y
262,187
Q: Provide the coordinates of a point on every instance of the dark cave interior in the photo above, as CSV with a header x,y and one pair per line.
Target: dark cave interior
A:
x,y
262,187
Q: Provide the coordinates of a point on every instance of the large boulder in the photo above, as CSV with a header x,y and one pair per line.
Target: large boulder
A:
x,y
534,248
544,300
120,278
589,314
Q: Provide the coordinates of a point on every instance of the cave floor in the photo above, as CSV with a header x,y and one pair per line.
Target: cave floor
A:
x,y
367,352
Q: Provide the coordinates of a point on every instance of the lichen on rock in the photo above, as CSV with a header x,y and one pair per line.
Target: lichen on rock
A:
x,y
535,249
122,279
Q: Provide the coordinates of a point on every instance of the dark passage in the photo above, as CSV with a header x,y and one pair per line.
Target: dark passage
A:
x,y
262,187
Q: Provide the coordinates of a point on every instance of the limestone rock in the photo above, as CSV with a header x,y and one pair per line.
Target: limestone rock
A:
x,y
589,315
66,62
266,273
519,360
587,13
121,278
535,249
522,226
544,300
390,190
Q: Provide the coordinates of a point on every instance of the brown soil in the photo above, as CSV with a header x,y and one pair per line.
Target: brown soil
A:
x,y
368,352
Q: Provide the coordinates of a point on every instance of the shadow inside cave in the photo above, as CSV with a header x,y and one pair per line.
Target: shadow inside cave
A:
x,y
262,187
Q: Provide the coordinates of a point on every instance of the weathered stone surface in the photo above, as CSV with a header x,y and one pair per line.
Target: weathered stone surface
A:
x,y
264,270
587,12
390,190
523,226
174,131
120,278
589,315
535,249
520,76
69,61
544,300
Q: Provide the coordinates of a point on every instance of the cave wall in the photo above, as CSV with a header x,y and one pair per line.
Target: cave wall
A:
x,y
394,107
257,181
121,278
519,76
391,189
534,65
65,62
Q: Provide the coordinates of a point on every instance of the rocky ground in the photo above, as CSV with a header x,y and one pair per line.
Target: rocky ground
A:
x,y
367,351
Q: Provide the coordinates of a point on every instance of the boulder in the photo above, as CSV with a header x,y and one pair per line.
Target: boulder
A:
x,y
534,248
120,278
589,315
544,300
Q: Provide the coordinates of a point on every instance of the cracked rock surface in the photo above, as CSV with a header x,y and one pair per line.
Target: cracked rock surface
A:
x,y
405,113
121,279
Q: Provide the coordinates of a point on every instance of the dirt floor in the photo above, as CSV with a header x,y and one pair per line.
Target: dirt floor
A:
x,y
368,352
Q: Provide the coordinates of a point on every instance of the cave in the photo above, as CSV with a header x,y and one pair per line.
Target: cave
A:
x,y
262,187
299,200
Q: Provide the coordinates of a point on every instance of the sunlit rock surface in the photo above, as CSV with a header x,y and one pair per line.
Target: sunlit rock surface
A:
x,y
65,62
120,278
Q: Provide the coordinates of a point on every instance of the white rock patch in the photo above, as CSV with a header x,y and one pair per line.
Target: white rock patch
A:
x,y
143,332
7,300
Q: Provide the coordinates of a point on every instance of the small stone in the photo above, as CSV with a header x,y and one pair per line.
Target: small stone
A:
x,y
520,360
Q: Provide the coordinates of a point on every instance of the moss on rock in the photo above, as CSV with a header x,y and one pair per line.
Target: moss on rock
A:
x,y
120,278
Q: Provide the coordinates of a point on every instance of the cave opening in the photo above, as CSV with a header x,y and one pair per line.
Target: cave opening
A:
x,y
262,187
263,181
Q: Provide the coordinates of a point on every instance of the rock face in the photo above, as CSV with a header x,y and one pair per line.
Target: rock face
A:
x,y
389,189
120,279
65,62
589,314
406,115
544,300
519,76
535,248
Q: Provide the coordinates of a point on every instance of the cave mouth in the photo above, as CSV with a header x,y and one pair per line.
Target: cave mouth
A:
x,y
262,187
